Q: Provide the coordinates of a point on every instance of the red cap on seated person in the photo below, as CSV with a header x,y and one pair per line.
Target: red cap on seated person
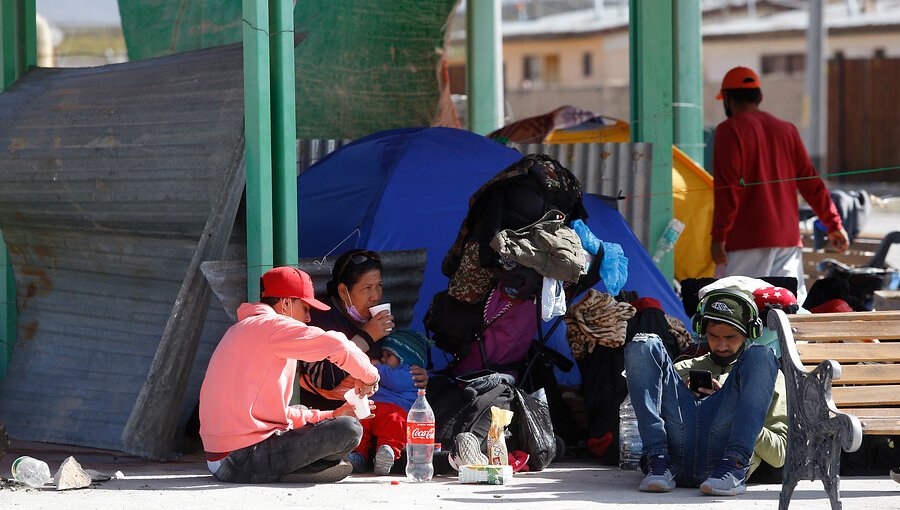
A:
x,y
290,282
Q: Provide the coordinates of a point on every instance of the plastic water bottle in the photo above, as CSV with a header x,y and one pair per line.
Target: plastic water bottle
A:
x,y
630,445
667,240
31,471
420,440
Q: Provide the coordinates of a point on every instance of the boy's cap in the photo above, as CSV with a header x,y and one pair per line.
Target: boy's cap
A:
x,y
290,282
410,346
730,308
739,78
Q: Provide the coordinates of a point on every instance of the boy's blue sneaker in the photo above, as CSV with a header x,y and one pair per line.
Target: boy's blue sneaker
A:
x,y
728,479
384,460
660,477
357,461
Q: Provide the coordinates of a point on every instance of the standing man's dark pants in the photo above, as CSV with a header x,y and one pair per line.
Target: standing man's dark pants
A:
x,y
309,449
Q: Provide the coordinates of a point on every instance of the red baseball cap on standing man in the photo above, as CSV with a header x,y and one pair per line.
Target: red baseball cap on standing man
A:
x,y
290,282
739,78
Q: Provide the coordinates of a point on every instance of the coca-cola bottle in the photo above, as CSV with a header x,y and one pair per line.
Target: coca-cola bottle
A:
x,y
420,440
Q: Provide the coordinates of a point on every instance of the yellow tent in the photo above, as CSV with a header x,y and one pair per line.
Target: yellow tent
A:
x,y
692,204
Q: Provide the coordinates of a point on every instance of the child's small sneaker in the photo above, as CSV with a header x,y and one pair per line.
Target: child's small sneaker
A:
x,y
729,479
384,460
660,477
357,461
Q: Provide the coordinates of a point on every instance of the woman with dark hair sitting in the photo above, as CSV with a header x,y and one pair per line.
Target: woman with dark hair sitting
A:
x,y
355,286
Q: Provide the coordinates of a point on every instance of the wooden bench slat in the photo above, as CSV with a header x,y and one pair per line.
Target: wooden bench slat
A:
x,y
881,395
880,426
885,420
866,374
844,316
845,330
853,352
872,412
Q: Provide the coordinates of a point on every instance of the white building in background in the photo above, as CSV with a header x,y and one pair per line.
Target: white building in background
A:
x,y
581,57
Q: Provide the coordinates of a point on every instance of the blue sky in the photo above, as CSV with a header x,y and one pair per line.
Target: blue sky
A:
x,y
80,12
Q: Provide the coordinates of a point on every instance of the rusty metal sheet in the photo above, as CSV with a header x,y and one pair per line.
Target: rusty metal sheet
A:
x,y
108,177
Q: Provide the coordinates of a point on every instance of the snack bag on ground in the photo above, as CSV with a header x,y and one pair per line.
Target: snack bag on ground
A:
x,y
496,441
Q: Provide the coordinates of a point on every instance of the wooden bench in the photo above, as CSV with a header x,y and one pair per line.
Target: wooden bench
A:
x,y
840,385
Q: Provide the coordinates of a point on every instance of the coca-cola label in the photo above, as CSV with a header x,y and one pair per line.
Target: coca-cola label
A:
x,y
420,433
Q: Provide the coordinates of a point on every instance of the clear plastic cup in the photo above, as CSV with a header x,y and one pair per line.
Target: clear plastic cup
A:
x,y
360,404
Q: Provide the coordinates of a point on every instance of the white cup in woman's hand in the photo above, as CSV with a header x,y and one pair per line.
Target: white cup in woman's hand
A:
x,y
375,310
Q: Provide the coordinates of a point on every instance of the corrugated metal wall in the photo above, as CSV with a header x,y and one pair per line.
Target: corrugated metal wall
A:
x,y
612,169
603,168
108,179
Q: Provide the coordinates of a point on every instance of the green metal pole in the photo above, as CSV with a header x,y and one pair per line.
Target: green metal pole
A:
x,y
689,79
18,22
484,65
8,43
18,51
650,35
7,308
257,134
284,132
28,22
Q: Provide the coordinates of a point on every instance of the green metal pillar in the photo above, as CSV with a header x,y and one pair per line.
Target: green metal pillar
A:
x,y
689,79
484,66
8,312
18,52
284,132
258,148
651,44
18,44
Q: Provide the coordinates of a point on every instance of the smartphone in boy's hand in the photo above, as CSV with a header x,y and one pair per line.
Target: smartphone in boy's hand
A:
x,y
700,379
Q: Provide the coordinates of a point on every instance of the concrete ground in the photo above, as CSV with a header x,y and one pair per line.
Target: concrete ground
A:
x,y
185,483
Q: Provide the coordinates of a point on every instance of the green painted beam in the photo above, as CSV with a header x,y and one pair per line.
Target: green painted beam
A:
x,y
8,43
28,22
18,43
257,134
484,65
18,52
689,79
651,43
284,132
8,314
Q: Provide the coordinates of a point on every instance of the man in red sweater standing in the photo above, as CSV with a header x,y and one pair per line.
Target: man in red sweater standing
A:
x,y
250,432
759,165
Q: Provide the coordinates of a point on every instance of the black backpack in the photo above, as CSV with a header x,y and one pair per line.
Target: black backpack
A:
x,y
453,324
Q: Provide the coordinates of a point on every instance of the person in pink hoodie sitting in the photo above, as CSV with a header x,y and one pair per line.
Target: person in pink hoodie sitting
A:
x,y
250,432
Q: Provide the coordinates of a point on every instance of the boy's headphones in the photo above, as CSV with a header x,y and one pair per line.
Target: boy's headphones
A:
x,y
754,324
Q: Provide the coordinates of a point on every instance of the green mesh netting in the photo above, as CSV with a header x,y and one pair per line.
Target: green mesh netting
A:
x,y
363,65
154,28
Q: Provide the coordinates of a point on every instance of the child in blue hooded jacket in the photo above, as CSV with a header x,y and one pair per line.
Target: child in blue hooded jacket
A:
x,y
395,395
